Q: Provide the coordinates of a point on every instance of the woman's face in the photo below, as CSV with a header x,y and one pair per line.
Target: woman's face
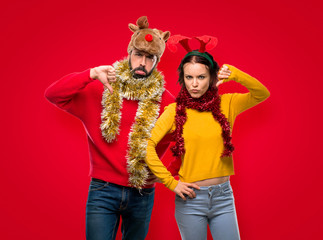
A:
x,y
196,78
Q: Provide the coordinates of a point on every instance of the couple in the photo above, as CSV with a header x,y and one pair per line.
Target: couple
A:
x,y
120,107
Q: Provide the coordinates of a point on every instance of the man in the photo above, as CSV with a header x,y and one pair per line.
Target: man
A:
x,y
119,106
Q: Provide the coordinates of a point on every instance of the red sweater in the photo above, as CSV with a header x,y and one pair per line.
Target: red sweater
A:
x,y
81,96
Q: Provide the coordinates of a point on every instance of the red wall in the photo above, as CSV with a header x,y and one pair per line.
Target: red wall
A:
x,y
44,155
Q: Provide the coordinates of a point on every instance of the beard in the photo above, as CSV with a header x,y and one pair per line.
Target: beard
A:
x,y
140,68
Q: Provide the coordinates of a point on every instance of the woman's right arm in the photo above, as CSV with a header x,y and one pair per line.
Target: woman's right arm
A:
x,y
163,126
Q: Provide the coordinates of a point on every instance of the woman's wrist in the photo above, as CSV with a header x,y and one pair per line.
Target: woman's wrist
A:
x,y
234,73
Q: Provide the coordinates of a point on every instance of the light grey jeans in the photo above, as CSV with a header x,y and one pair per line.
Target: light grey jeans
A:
x,y
213,205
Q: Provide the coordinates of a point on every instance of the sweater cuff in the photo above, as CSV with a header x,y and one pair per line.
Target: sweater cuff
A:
x,y
233,75
172,185
236,74
86,74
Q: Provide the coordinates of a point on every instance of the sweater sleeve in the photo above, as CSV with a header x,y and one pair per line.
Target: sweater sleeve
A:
x,y
163,145
162,127
243,101
62,92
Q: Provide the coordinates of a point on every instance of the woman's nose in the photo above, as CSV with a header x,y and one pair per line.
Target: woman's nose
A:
x,y
195,82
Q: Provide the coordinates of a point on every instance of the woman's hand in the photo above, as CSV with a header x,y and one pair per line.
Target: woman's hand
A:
x,y
184,188
224,73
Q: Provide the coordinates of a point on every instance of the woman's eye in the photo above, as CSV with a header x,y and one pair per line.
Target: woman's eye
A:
x,y
201,77
188,77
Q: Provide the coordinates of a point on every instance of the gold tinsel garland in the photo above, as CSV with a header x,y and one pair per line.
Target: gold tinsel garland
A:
x,y
148,91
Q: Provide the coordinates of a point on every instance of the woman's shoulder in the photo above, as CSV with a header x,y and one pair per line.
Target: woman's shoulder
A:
x,y
171,107
169,110
227,98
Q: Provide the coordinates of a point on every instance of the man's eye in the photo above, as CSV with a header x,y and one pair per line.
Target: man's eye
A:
x,y
138,54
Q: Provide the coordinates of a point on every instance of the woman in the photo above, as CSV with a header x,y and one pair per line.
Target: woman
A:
x,y
201,121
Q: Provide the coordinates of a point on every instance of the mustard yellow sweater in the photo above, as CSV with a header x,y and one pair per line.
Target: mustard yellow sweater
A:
x,y
202,135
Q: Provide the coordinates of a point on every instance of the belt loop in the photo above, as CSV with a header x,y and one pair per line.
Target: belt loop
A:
x,y
222,186
209,191
139,190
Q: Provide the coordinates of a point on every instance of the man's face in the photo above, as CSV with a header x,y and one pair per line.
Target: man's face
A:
x,y
141,63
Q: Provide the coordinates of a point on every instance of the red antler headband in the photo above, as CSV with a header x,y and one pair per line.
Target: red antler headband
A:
x,y
206,42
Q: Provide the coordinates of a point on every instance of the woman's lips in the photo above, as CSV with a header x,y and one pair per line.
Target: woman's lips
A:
x,y
194,91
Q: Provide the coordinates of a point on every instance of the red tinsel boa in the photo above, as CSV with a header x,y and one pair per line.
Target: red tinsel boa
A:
x,y
209,102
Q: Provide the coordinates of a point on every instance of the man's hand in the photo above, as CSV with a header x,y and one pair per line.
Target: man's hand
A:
x,y
105,74
184,188
224,73
152,179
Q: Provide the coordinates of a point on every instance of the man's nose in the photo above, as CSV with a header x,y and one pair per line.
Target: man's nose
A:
x,y
143,61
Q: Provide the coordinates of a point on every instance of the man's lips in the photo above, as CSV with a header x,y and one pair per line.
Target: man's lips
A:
x,y
140,72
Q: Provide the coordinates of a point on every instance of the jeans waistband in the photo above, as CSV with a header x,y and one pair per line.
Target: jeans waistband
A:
x,y
116,185
98,180
216,187
112,184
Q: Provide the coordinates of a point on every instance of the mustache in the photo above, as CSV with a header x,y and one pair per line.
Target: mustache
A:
x,y
141,68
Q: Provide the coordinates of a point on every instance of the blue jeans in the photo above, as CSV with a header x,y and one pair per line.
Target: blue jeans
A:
x,y
213,205
108,201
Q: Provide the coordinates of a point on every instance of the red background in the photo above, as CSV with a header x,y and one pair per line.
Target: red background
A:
x,y
44,155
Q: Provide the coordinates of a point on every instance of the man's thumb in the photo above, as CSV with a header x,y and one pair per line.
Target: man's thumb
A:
x,y
109,87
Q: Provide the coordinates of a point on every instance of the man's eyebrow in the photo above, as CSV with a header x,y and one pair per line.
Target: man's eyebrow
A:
x,y
145,53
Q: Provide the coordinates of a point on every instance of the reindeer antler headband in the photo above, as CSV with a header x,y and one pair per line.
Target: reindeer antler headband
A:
x,y
206,43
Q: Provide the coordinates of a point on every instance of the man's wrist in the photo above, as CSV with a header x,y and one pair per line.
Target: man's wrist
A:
x,y
93,73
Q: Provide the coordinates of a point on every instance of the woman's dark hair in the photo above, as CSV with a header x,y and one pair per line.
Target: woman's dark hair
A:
x,y
202,60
